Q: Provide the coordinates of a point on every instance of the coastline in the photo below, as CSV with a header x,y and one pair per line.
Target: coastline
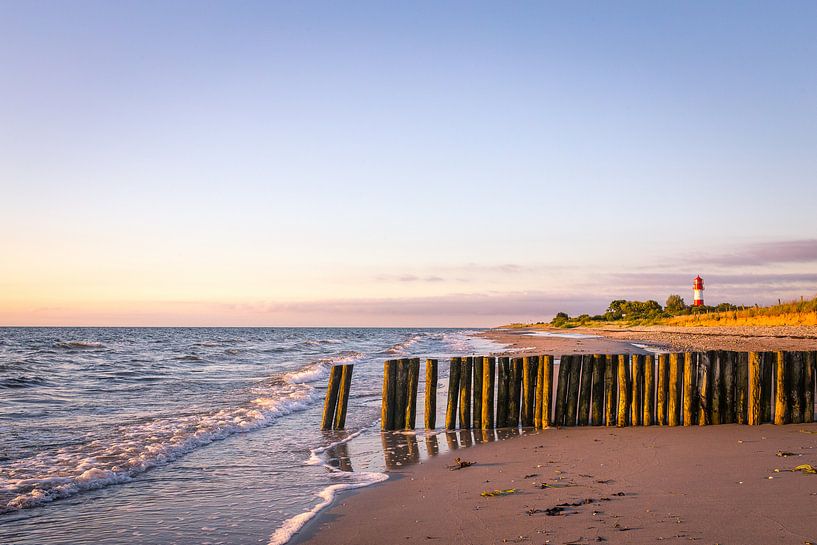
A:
x,y
725,484
716,484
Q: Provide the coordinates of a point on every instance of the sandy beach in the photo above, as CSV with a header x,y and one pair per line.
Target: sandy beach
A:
x,y
620,340
724,484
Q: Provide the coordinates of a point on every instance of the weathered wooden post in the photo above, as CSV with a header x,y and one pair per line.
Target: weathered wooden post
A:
x,y
515,392
767,381
411,385
488,378
662,390
528,390
636,389
610,375
597,401
728,385
561,391
716,361
674,400
476,408
741,387
466,366
431,395
623,390
537,396
689,389
502,383
781,415
585,389
331,401
343,396
704,389
754,412
808,379
796,386
648,418
389,387
546,379
401,394
453,394
572,405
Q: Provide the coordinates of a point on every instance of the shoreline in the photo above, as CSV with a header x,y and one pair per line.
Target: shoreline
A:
x,y
619,485
740,338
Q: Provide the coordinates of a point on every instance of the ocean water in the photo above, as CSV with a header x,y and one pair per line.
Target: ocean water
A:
x,y
200,435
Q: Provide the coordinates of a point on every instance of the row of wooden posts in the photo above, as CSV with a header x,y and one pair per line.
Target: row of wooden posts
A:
x,y
714,387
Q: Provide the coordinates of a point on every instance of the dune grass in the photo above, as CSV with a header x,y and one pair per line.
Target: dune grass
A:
x,y
802,312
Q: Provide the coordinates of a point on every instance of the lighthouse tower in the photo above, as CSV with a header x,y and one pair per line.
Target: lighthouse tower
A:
x,y
698,291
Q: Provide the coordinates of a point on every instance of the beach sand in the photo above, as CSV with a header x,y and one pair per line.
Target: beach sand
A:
x,y
714,484
618,340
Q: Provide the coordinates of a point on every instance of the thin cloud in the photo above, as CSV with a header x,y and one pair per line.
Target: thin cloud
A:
x,y
787,251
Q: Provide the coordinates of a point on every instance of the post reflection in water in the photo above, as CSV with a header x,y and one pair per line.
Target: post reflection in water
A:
x,y
432,446
403,448
338,456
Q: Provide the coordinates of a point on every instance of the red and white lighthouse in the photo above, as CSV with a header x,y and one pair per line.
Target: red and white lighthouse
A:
x,y
698,291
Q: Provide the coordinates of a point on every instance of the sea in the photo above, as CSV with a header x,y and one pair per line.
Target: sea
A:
x,y
198,435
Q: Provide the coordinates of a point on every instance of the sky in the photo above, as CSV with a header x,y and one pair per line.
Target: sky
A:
x,y
401,164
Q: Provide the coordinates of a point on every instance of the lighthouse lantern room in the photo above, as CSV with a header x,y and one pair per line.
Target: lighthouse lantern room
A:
x,y
698,291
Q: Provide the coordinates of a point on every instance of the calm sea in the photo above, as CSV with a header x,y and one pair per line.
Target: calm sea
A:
x,y
201,435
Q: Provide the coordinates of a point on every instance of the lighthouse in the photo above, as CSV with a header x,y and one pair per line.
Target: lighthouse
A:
x,y
698,291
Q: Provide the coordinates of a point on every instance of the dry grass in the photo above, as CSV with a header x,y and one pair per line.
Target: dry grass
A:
x,y
802,312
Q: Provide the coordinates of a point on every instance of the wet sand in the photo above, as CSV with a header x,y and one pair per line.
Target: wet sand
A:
x,y
618,340
714,484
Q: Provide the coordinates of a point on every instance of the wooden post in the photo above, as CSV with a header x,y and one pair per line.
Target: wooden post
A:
x,y
796,387
502,384
515,392
808,380
546,378
648,417
597,403
572,406
754,412
411,387
623,390
488,377
728,386
476,408
716,360
528,390
662,390
704,389
585,390
387,403
741,387
466,365
674,401
636,389
331,401
537,396
453,394
401,394
561,391
781,415
690,408
767,379
431,395
343,396
610,375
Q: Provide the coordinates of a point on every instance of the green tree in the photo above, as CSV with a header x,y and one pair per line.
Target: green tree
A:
x,y
675,303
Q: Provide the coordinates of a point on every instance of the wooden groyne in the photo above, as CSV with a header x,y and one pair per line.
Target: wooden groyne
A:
x,y
337,397
675,389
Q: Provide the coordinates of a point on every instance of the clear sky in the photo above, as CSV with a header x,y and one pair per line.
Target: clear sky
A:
x,y
383,163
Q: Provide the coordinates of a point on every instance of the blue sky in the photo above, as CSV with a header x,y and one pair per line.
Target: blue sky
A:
x,y
316,163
